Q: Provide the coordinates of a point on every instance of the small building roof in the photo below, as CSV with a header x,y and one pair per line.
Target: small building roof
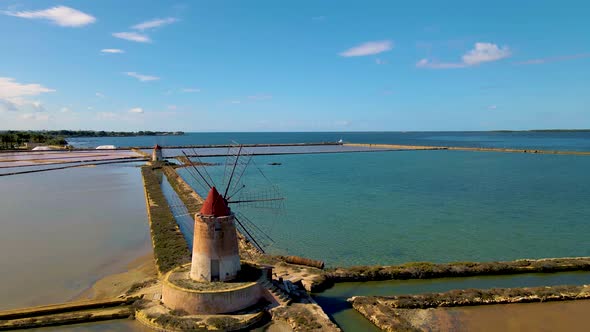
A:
x,y
106,147
157,147
215,205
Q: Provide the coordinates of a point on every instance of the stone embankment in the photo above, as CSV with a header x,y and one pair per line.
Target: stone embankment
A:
x,y
425,270
403,312
461,148
66,313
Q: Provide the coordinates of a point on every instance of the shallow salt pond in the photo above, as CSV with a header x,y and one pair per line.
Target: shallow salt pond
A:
x,y
63,230
333,300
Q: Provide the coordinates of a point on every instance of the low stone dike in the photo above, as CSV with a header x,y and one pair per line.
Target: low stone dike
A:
x,y
66,313
463,148
188,196
425,270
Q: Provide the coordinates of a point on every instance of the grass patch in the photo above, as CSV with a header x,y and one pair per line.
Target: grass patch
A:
x,y
170,247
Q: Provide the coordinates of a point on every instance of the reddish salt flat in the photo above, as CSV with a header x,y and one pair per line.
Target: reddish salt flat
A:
x,y
20,159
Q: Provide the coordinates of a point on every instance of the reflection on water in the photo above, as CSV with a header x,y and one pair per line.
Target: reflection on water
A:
x,y
333,300
63,230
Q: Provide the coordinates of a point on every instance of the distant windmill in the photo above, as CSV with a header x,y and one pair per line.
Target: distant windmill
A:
x,y
237,194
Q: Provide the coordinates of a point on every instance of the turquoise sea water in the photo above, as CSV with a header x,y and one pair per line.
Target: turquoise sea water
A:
x,y
578,141
440,206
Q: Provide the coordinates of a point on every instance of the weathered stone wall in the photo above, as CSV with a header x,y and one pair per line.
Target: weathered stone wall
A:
x,y
211,302
215,239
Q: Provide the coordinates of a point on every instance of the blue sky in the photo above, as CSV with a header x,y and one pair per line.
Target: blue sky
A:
x,y
294,65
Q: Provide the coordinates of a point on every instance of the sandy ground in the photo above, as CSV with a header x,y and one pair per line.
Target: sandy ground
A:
x,y
141,269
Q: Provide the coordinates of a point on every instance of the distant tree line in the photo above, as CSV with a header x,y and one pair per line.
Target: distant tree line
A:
x,y
102,133
14,139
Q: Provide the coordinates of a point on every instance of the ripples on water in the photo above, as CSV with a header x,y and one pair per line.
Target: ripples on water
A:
x,y
441,206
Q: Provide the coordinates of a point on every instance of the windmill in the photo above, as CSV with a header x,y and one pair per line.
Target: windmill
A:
x,y
243,186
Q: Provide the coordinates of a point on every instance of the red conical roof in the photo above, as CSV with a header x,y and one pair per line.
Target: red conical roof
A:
x,y
157,147
215,205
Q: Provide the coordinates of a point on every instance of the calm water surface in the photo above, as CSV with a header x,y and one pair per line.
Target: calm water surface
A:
x,y
577,141
438,206
62,230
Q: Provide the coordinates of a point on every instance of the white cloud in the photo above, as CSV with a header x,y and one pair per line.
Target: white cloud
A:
x,y
132,36
380,61
60,15
260,97
6,105
369,48
155,23
12,94
142,78
492,107
65,110
112,50
137,110
485,52
481,53
99,95
235,102
172,107
188,90
90,108
10,89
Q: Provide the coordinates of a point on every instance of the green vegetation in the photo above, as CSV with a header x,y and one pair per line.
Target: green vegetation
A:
x,y
170,247
225,323
16,139
425,270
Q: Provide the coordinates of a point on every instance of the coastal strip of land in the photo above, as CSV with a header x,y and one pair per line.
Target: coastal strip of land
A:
x,y
463,148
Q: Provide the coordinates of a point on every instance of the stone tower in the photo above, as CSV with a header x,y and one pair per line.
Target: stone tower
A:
x,y
215,244
157,153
